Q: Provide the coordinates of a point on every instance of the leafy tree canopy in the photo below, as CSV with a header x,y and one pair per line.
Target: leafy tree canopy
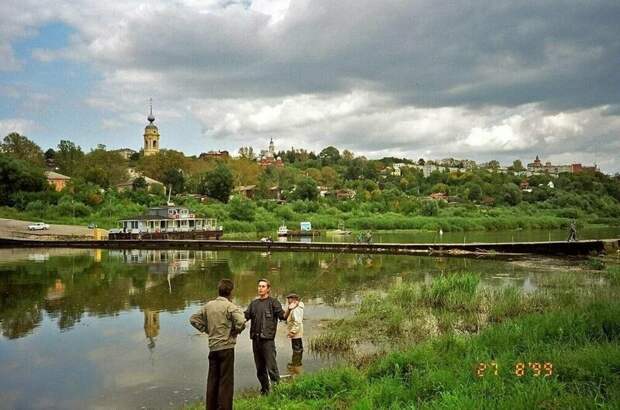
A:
x,y
17,175
20,147
218,183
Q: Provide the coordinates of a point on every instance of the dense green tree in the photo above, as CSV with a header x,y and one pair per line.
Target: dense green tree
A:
x,y
429,208
266,180
517,165
17,175
329,177
155,166
174,178
474,192
139,184
511,194
69,158
329,155
347,155
247,153
103,168
20,147
218,183
440,188
493,164
306,189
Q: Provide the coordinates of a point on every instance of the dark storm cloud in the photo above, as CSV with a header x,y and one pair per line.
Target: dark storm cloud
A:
x,y
564,54
435,79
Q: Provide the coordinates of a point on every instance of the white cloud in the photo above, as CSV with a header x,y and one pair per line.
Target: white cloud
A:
x,y
276,9
20,125
381,78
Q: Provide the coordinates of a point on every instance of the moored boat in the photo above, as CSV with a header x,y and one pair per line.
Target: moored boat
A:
x,y
305,230
167,222
282,230
338,232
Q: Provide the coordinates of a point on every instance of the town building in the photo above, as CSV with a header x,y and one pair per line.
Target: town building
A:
x,y
58,181
151,135
133,175
128,185
126,152
214,155
269,158
246,191
538,167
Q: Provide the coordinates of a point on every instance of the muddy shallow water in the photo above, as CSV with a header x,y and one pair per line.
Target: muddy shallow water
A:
x,y
109,329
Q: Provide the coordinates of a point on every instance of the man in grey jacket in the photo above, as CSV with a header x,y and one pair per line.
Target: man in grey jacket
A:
x,y
222,320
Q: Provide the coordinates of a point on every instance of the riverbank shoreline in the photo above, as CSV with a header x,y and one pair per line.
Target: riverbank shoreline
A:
x,y
553,349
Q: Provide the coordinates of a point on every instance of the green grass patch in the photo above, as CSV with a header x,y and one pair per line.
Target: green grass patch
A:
x,y
579,347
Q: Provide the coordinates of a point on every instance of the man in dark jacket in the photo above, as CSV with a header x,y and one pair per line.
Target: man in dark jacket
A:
x,y
264,312
223,321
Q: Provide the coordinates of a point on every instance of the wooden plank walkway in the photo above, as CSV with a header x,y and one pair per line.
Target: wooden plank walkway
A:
x,y
560,248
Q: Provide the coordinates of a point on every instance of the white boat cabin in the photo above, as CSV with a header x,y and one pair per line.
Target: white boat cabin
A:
x,y
167,219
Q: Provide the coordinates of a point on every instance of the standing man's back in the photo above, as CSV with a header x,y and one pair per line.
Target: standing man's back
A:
x,y
223,321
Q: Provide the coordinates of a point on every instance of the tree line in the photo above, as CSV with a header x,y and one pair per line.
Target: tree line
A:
x,y
95,175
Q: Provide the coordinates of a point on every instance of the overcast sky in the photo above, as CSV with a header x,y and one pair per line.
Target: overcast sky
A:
x,y
433,79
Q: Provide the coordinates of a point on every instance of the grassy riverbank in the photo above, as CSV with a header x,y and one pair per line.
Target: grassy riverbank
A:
x,y
268,219
433,338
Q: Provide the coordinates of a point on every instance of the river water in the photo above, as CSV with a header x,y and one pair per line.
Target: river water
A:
x,y
109,329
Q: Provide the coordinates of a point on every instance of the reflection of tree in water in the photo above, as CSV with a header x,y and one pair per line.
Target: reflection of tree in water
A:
x,y
67,287
20,297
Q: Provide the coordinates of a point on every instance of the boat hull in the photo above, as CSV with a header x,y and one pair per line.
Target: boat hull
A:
x,y
211,234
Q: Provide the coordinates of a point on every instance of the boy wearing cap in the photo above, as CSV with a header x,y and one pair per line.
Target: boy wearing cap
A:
x,y
295,326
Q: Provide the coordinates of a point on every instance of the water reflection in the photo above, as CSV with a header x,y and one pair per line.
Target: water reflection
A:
x,y
151,326
109,328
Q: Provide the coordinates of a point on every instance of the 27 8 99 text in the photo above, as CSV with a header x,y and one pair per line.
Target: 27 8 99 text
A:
x,y
519,369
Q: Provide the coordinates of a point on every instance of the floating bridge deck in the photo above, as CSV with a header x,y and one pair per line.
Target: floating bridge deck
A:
x,y
559,248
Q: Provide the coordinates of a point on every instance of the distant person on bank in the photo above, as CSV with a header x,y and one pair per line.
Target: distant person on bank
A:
x,y
295,327
572,231
264,312
222,320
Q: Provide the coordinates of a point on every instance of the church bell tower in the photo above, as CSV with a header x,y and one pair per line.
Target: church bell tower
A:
x,y
151,134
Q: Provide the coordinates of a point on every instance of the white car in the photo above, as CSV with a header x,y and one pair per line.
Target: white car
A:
x,y
38,226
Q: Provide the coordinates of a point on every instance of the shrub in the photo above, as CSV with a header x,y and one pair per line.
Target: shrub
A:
x,y
241,209
430,208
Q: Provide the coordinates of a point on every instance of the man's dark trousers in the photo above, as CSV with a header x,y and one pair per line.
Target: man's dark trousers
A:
x,y
221,379
265,360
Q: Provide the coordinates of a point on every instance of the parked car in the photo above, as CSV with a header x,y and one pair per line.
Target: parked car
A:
x,y
38,226
92,225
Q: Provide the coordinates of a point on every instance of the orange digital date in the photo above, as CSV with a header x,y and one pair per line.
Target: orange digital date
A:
x,y
520,369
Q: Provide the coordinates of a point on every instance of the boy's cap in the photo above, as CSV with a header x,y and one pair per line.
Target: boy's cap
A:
x,y
292,295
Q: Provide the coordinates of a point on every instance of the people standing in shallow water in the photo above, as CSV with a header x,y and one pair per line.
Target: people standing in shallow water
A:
x,y
264,313
572,233
295,328
223,321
